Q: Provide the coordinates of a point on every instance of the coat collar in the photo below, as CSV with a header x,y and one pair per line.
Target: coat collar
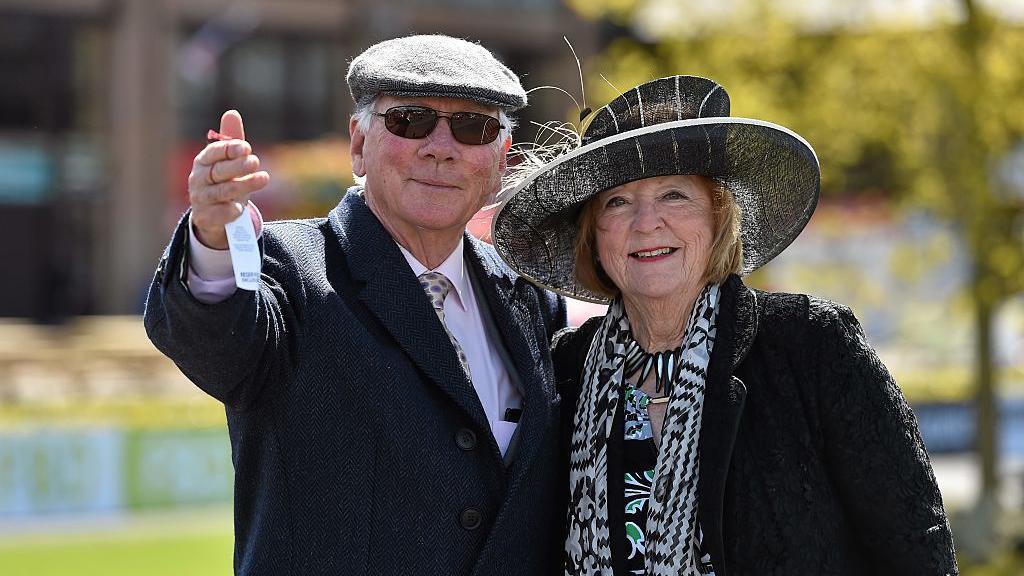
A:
x,y
386,284
389,289
510,299
453,268
723,407
724,398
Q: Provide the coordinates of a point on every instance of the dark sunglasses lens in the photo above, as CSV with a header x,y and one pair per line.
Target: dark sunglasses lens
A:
x,y
410,122
471,128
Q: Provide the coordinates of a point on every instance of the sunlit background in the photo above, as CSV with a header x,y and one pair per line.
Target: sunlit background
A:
x,y
112,463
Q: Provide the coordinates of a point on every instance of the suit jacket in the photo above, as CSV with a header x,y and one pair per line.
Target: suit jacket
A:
x,y
810,458
358,443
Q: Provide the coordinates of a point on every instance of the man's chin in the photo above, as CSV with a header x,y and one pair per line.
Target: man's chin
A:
x,y
442,223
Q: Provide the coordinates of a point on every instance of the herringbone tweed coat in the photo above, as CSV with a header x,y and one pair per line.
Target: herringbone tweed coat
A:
x,y
359,445
810,458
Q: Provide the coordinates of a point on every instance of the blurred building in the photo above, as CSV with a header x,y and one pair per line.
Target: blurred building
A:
x,y
103,103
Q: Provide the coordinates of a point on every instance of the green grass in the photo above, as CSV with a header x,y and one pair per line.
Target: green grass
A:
x,y
161,545
196,555
187,544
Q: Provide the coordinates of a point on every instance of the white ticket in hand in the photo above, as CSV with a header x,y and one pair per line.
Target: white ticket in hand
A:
x,y
245,252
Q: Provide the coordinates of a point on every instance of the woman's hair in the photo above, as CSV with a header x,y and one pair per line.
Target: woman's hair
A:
x,y
726,249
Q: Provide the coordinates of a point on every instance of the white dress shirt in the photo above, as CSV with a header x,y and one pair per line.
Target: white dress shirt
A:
x,y
211,280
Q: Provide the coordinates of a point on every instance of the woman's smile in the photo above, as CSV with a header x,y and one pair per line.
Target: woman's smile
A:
x,y
654,235
653,254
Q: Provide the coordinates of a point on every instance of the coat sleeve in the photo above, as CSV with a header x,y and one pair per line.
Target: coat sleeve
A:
x,y
553,311
569,348
874,451
234,349
564,350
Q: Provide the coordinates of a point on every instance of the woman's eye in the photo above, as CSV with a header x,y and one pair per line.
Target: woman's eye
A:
x,y
674,195
615,201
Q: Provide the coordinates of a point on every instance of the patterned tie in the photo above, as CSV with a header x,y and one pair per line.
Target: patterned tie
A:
x,y
437,287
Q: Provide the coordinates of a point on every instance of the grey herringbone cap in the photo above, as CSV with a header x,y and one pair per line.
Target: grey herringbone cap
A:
x,y
434,65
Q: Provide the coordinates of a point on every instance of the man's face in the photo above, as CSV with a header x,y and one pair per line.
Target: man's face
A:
x,y
432,184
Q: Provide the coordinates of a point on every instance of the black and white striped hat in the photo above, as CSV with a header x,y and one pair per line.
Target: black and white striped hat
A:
x,y
674,125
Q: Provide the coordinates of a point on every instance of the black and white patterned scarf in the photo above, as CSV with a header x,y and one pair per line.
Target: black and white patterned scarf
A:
x,y
672,537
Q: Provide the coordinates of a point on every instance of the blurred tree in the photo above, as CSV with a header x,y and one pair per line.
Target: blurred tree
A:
x,y
924,108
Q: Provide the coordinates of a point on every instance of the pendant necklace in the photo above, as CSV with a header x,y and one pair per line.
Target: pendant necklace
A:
x,y
664,364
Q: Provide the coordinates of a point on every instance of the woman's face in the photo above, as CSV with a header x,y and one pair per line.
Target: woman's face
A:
x,y
654,236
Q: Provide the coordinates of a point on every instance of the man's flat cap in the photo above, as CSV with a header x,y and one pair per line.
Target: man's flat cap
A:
x,y
434,65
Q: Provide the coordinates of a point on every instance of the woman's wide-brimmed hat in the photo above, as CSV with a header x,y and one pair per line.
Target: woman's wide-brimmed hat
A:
x,y
674,125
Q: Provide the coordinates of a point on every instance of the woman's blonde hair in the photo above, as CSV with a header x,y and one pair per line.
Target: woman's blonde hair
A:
x,y
726,249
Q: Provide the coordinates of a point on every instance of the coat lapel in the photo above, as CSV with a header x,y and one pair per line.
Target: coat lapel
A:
x,y
510,299
723,407
388,288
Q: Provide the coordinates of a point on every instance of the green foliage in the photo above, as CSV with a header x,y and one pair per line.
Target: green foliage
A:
x,y
618,11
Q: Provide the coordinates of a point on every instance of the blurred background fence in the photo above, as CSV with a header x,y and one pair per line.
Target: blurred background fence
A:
x,y
112,462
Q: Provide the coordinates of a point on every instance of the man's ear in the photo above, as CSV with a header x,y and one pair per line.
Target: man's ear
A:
x,y
503,162
355,147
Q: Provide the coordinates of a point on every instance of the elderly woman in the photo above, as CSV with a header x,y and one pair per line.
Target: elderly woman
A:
x,y
714,429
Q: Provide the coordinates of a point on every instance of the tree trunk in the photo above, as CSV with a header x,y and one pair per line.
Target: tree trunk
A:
x,y
987,440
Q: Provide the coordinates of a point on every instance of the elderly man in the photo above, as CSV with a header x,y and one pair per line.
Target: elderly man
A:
x,y
388,388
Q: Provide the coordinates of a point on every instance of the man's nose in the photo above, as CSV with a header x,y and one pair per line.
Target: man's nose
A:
x,y
440,144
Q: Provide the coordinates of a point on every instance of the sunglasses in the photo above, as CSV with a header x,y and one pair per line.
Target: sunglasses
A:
x,y
415,122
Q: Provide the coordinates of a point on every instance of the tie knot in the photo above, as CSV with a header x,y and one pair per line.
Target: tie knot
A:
x,y
437,287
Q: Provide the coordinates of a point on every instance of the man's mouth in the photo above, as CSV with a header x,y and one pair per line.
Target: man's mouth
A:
x,y
653,253
434,183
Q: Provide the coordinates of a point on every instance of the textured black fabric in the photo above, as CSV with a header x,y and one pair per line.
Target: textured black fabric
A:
x,y
344,400
811,460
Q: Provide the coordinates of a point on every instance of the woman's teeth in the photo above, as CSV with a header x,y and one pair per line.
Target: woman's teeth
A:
x,y
652,253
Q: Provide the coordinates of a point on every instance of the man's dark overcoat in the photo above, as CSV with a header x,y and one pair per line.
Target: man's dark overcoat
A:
x,y
359,445
810,458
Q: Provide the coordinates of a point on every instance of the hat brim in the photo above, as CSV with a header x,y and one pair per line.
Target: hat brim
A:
x,y
772,172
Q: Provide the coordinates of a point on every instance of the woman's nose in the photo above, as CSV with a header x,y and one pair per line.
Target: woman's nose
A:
x,y
647,217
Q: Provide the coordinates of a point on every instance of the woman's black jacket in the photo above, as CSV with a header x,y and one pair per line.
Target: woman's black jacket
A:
x,y
810,458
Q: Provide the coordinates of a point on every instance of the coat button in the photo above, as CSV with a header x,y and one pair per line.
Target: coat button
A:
x,y
470,518
465,439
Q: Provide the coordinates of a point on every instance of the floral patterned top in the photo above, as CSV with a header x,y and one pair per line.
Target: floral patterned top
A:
x,y
640,456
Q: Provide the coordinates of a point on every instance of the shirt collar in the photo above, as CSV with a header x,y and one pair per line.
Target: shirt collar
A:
x,y
453,268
